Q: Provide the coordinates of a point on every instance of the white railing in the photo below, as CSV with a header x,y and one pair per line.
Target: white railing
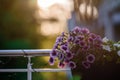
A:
x,y
29,54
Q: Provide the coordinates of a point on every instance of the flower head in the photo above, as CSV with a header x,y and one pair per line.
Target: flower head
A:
x,y
82,43
69,55
60,56
116,45
86,64
105,39
72,64
64,47
77,41
85,31
70,39
90,40
106,47
90,58
118,53
58,39
53,53
80,37
76,30
61,65
51,61
66,61
92,35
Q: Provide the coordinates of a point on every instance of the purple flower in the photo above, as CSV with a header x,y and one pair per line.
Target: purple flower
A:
x,y
63,34
59,39
98,39
61,65
69,55
60,56
76,30
86,64
82,43
98,46
77,41
70,39
85,31
92,35
86,47
66,61
53,53
80,38
90,58
72,64
66,44
90,39
64,47
51,61
55,46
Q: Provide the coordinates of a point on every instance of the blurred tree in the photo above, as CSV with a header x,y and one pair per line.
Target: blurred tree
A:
x,y
18,21
17,31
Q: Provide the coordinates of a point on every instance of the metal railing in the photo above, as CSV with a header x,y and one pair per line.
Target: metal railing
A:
x,y
29,54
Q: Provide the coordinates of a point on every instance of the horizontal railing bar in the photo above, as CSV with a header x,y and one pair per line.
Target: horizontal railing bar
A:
x,y
35,70
32,52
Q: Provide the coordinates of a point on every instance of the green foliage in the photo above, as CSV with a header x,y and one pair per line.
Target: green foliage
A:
x,y
17,31
76,77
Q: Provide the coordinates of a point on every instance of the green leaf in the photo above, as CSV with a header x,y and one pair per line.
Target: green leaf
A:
x,y
76,77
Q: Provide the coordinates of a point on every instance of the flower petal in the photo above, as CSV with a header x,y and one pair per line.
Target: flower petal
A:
x,y
86,64
51,61
90,58
72,64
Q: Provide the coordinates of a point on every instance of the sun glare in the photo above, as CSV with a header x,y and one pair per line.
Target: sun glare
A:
x,y
58,9
47,3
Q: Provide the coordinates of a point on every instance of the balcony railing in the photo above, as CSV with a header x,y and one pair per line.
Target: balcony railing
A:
x,y
29,54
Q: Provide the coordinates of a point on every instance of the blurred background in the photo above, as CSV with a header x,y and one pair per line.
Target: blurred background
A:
x,y
35,24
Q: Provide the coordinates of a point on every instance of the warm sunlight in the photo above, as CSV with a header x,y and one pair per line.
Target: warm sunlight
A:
x,y
54,9
48,28
47,3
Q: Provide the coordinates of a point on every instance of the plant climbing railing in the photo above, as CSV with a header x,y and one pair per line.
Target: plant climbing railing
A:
x,y
29,54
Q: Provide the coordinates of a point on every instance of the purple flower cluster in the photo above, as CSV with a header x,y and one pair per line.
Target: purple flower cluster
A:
x,y
69,45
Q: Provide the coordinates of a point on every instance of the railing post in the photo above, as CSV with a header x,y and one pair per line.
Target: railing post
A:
x,y
29,67
69,73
